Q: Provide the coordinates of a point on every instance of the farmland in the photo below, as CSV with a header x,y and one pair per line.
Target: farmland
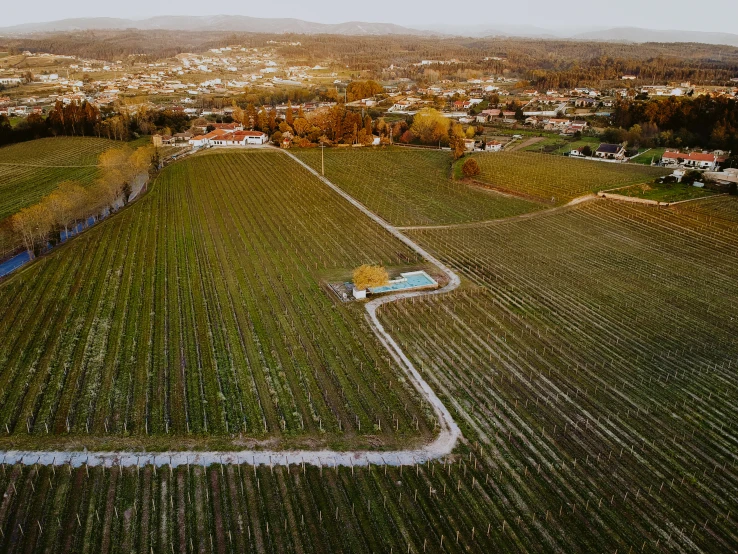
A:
x,y
30,170
596,367
200,312
410,186
589,358
556,179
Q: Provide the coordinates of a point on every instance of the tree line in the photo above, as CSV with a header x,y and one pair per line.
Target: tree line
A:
x,y
119,122
704,121
70,203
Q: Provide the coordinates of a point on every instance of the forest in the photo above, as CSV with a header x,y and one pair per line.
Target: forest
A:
x,y
704,121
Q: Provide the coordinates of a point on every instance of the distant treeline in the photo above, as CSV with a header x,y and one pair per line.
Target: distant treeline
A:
x,y
85,119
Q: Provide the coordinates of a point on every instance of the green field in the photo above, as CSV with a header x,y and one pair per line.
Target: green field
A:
x,y
589,358
560,145
597,368
30,170
411,186
201,312
666,192
557,179
653,154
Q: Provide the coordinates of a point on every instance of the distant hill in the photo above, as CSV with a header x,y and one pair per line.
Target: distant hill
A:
x,y
600,34
235,23
246,24
635,34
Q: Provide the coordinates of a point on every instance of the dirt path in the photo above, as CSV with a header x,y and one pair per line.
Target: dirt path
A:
x,y
529,215
525,143
442,445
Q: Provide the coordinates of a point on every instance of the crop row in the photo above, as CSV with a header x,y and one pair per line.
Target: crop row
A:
x,y
201,311
601,360
463,503
30,170
411,186
557,179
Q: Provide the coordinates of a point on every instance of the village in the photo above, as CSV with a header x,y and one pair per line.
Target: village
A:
x,y
498,112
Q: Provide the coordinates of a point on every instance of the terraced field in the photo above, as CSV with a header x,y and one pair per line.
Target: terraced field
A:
x,y
557,179
411,186
30,170
200,312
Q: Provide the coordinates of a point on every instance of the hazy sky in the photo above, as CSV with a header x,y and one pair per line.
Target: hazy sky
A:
x,y
705,15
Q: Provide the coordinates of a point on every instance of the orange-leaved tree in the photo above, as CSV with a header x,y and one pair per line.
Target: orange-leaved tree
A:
x,y
470,168
370,276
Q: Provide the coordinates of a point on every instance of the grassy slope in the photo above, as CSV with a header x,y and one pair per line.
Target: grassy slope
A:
x,y
410,186
199,310
654,154
557,179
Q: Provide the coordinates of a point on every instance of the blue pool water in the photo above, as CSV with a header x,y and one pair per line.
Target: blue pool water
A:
x,y
414,280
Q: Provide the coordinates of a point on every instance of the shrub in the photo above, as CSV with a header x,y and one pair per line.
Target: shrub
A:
x,y
470,168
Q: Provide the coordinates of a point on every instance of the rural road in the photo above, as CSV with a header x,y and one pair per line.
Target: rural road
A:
x,y
443,444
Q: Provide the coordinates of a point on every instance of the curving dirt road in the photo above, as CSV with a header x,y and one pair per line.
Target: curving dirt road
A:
x,y
441,446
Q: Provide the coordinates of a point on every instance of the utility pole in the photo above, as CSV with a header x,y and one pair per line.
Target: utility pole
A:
x,y
322,158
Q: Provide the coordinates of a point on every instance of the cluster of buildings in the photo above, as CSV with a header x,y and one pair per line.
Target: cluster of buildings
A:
x,y
703,160
222,137
228,71
707,161
221,134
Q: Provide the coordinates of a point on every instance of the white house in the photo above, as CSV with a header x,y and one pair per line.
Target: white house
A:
x,y
255,137
239,138
697,160
610,151
493,146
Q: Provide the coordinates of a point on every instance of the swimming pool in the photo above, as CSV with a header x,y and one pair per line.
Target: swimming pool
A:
x,y
407,281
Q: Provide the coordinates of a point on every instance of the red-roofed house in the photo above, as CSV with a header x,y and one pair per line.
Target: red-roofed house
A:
x,y
228,126
698,160
204,140
240,138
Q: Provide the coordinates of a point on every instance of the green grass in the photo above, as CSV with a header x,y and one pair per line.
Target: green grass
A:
x,y
411,186
200,311
667,192
30,170
654,154
557,179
